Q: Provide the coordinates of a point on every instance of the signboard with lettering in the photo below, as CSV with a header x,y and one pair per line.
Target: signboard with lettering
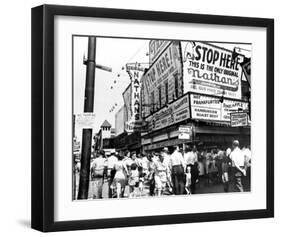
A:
x,y
135,72
175,112
185,132
247,70
135,126
85,120
162,83
212,70
132,97
156,47
212,108
238,119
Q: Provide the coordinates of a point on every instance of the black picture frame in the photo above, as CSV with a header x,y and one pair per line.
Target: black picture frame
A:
x,y
42,41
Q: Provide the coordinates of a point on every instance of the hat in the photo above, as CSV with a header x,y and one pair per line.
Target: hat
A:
x,y
235,143
165,149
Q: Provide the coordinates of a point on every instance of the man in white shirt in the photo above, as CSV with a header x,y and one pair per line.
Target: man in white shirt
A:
x,y
111,161
177,167
238,160
191,157
167,160
97,171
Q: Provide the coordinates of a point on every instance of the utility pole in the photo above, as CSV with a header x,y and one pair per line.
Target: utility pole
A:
x,y
87,132
88,108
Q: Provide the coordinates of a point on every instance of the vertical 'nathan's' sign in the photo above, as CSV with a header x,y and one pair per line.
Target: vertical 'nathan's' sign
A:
x,y
211,70
135,72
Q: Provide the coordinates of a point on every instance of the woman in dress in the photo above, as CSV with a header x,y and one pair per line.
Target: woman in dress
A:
x,y
133,180
119,181
161,175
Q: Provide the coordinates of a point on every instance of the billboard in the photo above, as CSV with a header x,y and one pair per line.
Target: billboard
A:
x,y
212,70
213,109
185,132
162,83
238,119
175,112
156,47
132,96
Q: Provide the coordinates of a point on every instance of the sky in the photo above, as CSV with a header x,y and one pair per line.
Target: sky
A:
x,y
114,53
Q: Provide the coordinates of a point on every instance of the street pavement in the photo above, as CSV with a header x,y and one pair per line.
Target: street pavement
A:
x,y
202,187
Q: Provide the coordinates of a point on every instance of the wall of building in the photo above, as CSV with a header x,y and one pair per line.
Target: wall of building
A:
x,y
120,120
162,82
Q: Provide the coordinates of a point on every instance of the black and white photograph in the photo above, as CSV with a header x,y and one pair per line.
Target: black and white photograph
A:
x,y
159,118
143,118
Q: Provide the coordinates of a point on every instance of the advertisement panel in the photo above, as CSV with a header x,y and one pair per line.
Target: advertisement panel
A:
x,y
162,83
156,47
176,112
85,120
212,70
238,119
133,101
185,132
212,108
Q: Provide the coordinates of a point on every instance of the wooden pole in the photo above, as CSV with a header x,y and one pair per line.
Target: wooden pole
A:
x,y
87,133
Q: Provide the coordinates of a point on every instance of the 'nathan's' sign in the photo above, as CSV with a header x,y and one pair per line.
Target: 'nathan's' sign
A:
x,y
135,72
212,70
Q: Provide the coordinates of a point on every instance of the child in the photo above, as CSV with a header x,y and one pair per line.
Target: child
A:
x,y
133,180
188,180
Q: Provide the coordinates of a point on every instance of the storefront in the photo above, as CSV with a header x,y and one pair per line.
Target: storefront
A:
x,y
197,85
207,116
130,142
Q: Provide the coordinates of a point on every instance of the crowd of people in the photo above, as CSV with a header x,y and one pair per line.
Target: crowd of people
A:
x,y
171,171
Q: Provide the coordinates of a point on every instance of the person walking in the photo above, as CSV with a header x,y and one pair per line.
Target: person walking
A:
x,y
161,175
225,164
177,168
248,159
119,180
191,160
142,162
167,160
151,173
133,180
97,173
238,160
111,161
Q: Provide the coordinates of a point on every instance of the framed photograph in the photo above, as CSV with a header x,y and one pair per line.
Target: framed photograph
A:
x,y
150,118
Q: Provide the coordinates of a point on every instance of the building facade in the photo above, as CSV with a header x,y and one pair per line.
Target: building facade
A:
x,y
196,85
104,139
